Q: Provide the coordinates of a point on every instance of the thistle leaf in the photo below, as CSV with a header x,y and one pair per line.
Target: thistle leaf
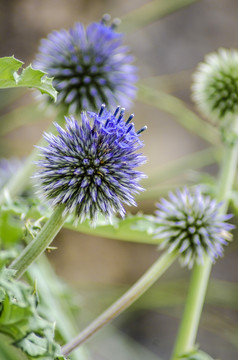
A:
x,y
20,320
28,77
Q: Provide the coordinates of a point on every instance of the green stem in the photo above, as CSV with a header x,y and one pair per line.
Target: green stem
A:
x,y
148,279
193,308
21,178
200,277
40,243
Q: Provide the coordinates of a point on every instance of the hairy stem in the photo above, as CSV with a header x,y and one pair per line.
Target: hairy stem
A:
x,y
148,279
40,243
200,276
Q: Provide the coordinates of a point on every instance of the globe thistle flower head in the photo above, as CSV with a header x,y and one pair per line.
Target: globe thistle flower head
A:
x,y
91,167
191,224
215,85
90,66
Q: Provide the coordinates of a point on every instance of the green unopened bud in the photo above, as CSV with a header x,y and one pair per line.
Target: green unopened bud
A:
x,y
215,88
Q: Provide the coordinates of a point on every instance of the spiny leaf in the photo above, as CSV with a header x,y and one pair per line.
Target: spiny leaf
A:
x,y
33,345
29,77
20,320
37,346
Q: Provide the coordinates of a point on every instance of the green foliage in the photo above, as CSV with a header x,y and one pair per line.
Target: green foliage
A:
x,y
11,228
20,214
135,228
9,351
15,221
20,320
31,78
57,302
24,334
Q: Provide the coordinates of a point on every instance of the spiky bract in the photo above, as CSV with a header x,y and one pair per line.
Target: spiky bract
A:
x,y
215,87
91,167
191,223
90,66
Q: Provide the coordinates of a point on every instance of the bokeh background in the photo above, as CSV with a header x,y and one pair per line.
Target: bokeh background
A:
x,y
168,39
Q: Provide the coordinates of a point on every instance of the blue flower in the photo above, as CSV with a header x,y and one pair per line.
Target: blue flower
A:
x,y
192,224
90,66
91,167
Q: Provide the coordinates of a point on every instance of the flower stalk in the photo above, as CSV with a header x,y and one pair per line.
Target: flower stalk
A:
x,y
138,289
38,245
201,273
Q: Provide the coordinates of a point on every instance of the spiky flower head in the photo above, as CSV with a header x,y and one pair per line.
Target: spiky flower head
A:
x,y
190,223
215,86
91,167
90,66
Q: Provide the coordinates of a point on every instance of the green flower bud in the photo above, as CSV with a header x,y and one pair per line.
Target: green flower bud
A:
x,y
215,90
215,87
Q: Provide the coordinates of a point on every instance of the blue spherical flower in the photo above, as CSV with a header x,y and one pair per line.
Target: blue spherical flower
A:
x,y
90,66
91,167
192,224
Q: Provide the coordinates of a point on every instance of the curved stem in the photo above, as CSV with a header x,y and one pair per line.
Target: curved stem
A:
x,y
151,275
40,243
200,276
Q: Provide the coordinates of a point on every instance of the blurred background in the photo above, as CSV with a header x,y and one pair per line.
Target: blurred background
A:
x,y
168,39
